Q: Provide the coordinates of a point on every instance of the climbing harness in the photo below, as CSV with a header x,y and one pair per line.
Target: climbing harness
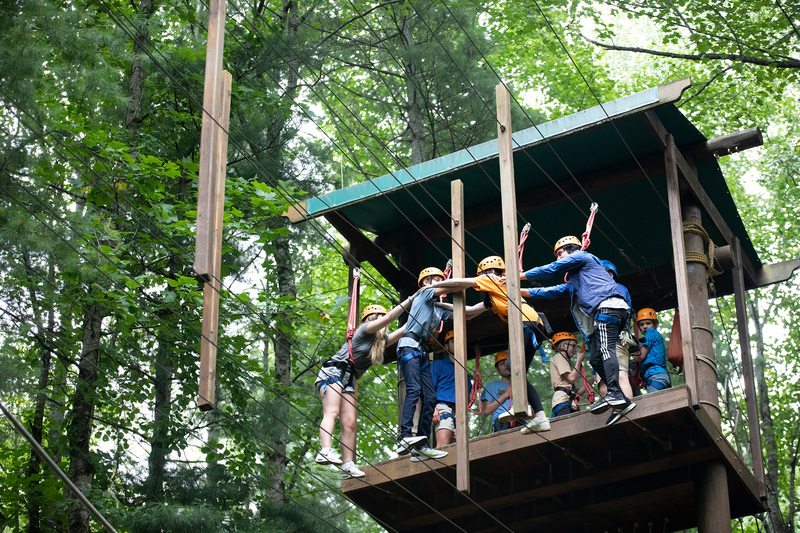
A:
x,y
586,385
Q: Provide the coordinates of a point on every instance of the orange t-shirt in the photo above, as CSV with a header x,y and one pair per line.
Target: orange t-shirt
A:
x,y
497,290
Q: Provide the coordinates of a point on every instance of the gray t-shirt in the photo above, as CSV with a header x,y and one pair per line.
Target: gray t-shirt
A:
x,y
362,343
423,319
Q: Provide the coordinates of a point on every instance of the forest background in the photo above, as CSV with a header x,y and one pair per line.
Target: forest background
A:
x,y
99,127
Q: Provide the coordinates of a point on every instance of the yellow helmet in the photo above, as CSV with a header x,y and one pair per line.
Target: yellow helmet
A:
x,y
562,336
493,261
500,356
370,309
430,271
647,314
450,334
569,239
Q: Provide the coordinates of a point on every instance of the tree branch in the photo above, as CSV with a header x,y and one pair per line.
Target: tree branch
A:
x,y
791,63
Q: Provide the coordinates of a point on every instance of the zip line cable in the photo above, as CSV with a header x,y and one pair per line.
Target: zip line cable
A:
x,y
301,412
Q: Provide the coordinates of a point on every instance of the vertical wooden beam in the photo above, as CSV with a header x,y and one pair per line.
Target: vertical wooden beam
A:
x,y
516,351
460,338
713,507
212,115
211,289
747,368
681,275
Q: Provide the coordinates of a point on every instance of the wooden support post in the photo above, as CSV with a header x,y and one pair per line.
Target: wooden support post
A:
x,y
713,507
460,338
211,289
747,368
681,276
516,350
212,115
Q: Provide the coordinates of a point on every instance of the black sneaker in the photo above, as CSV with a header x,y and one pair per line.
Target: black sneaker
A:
x,y
617,402
619,413
599,407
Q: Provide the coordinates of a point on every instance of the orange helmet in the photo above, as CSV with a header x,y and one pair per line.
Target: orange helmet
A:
x,y
562,336
500,356
450,334
569,239
370,309
493,261
647,314
430,271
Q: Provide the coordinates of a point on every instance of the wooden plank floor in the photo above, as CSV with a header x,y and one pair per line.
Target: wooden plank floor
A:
x,y
582,476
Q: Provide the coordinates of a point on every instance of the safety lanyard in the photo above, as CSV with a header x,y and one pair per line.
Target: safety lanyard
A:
x,y
586,385
447,271
352,323
585,240
523,236
477,383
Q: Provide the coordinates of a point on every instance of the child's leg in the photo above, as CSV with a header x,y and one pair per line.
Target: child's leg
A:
x,y
409,364
347,419
331,395
428,399
533,399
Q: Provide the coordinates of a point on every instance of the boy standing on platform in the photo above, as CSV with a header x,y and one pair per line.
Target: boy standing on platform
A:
x,y
599,311
563,375
653,355
412,356
443,373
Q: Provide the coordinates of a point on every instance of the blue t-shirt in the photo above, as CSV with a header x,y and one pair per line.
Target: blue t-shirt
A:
x,y
443,373
423,319
491,392
656,360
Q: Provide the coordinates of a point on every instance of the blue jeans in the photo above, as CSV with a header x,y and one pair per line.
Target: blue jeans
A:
x,y
417,374
658,381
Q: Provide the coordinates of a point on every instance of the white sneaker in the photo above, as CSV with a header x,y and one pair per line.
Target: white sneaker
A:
x,y
425,453
406,444
509,415
349,470
328,456
536,425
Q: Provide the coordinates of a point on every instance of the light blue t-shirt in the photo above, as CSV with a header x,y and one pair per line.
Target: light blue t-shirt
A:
x,y
656,360
491,392
423,320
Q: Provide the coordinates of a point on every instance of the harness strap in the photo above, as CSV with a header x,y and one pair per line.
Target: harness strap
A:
x,y
522,238
351,317
607,318
477,383
586,385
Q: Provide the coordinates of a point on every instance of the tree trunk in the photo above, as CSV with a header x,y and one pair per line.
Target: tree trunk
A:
x,y
413,97
767,429
81,468
283,366
157,459
133,111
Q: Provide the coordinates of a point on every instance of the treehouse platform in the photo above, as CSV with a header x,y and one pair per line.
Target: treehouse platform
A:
x,y
641,474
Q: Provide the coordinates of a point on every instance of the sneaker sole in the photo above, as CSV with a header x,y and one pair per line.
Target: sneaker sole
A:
x,y
328,462
599,410
617,403
620,413
530,431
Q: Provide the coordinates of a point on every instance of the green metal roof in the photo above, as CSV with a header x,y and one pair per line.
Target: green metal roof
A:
x,y
565,156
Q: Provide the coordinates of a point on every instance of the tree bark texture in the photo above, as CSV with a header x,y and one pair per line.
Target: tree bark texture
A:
x,y
413,96
776,523
81,467
133,111
283,366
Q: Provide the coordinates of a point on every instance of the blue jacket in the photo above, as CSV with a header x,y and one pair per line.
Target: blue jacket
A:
x,y
588,280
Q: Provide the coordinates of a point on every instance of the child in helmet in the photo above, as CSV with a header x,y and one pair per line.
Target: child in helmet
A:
x,y
599,311
412,356
563,375
443,374
496,400
653,354
337,383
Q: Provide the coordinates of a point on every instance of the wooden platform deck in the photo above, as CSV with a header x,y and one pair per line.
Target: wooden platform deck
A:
x,y
636,475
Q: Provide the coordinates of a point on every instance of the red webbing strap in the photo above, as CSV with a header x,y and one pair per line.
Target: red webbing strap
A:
x,y
522,238
585,241
477,383
352,321
447,271
586,385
